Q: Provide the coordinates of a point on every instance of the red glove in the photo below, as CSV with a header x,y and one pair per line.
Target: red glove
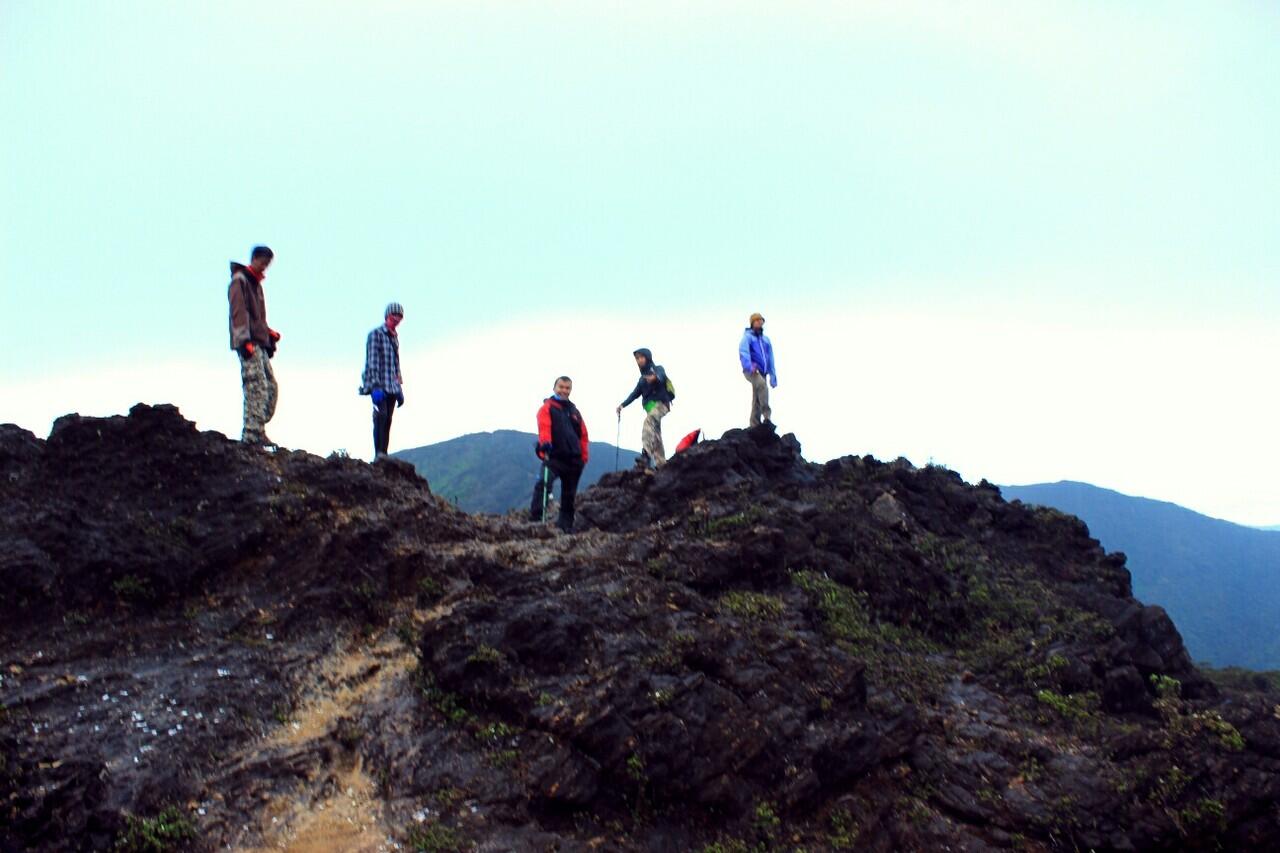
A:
x,y
248,348
275,336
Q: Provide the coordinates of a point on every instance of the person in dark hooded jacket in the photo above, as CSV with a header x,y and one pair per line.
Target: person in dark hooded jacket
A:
x,y
656,399
563,447
255,342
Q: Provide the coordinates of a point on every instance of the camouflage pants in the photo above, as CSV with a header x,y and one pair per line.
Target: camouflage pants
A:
x,y
651,434
759,397
260,391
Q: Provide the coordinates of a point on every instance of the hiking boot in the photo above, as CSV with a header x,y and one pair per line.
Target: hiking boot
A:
x,y
261,442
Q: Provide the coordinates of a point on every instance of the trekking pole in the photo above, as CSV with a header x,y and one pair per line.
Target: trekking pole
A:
x,y
617,442
547,488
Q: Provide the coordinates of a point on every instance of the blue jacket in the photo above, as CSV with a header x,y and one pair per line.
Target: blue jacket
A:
x,y
756,350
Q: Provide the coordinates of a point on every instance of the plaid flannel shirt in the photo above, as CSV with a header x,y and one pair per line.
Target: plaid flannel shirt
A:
x,y
381,362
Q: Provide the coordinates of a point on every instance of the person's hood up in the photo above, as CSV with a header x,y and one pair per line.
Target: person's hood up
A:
x,y
236,267
648,358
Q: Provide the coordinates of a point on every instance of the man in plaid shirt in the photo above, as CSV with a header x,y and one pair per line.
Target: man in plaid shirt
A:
x,y
382,380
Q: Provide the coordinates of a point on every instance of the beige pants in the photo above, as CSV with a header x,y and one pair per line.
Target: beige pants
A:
x,y
651,434
759,397
260,393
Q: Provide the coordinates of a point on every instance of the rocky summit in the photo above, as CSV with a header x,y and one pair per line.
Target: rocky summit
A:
x,y
204,646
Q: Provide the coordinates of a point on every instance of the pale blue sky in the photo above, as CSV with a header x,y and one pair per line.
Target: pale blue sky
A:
x,y
1040,173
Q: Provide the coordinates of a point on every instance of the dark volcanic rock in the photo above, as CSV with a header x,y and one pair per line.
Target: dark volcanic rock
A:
x,y
744,651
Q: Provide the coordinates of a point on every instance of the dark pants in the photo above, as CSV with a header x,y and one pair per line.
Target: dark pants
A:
x,y
568,474
382,413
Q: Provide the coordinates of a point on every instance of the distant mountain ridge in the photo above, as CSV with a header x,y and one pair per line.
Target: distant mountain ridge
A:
x,y
495,471
1218,580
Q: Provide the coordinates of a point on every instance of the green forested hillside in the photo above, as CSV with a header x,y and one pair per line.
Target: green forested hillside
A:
x,y
495,471
1219,581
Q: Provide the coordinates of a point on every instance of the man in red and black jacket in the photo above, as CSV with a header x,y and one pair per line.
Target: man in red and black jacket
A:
x,y
563,448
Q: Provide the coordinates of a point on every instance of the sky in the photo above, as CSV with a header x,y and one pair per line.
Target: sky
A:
x,y
1030,241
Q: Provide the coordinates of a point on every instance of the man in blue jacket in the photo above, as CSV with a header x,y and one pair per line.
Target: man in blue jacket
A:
x,y
755,352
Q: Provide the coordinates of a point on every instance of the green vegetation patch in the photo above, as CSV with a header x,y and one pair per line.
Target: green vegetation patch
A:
x,y
450,705
844,830
131,589
726,525
158,834
845,617
485,654
756,606
435,838
1073,706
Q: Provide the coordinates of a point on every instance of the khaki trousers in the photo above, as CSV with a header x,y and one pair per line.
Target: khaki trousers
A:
x,y
759,397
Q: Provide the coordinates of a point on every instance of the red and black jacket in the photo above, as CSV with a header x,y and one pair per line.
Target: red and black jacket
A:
x,y
561,425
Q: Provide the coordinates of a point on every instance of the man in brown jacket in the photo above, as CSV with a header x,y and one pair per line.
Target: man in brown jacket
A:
x,y
255,342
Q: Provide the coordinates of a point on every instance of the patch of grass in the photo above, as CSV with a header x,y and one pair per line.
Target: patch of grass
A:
x,y
1037,674
1073,706
496,733
1205,816
844,613
733,845
132,590
894,655
765,821
672,652
158,834
728,524
1166,687
755,606
659,567
485,654
447,796
502,758
435,838
1169,786
448,704
844,832
429,590
846,618
1180,722
75,619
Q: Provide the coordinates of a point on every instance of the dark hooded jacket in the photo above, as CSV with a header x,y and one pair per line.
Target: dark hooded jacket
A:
x,y
649,392
248,320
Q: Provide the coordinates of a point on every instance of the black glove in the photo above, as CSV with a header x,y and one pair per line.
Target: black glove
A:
x,y
399,399
544,450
